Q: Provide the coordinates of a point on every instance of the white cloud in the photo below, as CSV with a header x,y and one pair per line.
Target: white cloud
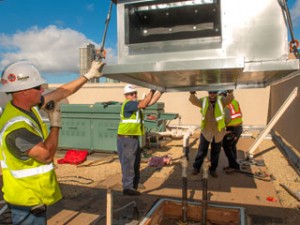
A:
x,y
295,13
52,49
90,7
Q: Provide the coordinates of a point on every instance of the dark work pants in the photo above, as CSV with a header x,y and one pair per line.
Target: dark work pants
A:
x,y
202,152
229,145
130,158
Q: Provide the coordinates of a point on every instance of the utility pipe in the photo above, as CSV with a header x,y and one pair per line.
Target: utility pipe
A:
x,y
186,137
205,169
109,207
5,207
184,164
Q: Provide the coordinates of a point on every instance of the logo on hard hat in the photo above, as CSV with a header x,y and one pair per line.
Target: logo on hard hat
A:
x,y
22,76
11,77
3,81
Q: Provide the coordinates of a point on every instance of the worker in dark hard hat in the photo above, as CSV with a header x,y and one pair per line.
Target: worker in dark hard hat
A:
x,y
131,127
212,128
234,130
27,149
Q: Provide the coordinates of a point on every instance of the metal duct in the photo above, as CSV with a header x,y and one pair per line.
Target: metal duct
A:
x,y
183,45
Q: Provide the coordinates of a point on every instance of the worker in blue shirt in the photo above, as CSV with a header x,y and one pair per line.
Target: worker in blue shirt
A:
x,y
131,127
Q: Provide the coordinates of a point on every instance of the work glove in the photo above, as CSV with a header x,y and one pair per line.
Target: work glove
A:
x,y
95,71
54,115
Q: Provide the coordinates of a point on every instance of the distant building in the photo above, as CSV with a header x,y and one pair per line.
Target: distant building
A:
x,y
87,54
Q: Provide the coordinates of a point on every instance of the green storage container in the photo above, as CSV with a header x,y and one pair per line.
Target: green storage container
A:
x,y
169,116
155,125
156,106
75,132
91,126
105,126
154,110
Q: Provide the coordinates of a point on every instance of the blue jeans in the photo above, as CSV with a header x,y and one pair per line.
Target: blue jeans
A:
x,y
130,158
202,152
22,215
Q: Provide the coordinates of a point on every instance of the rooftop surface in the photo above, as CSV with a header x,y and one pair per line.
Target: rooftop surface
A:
x,y
85,186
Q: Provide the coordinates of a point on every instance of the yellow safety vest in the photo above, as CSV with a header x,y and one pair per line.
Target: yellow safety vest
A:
x,y
235,113
219,112
25,182
132,125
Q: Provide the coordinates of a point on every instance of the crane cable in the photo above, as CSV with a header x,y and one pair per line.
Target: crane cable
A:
x,y
294,43
102,53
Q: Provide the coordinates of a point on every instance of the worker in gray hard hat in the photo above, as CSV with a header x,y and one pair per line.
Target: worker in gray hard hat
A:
x,y
27,149
131,127
212,128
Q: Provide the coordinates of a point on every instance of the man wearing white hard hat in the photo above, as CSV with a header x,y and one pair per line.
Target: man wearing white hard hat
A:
x,y
27,149
131,127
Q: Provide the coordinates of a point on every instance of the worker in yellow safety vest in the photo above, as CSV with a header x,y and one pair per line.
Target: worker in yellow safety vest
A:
x,y
27,149
212,128
131,127
234,130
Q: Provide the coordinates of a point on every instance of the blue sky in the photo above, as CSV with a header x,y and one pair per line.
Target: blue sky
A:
x,y
50,33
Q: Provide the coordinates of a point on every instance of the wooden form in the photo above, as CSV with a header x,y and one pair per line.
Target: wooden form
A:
x,y
216,214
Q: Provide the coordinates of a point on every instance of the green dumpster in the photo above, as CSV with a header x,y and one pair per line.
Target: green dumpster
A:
x,y
90,126
105,126
93,127
76,123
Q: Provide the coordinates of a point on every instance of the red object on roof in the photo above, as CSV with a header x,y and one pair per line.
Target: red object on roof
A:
x,y
74,157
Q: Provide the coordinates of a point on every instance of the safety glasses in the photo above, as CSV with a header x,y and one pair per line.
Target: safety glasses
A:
x,y
132,93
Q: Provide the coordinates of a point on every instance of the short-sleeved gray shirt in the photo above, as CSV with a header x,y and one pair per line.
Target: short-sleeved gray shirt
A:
x,y
21,140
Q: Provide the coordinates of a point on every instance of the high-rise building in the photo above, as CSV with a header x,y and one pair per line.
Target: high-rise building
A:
x,y
87,54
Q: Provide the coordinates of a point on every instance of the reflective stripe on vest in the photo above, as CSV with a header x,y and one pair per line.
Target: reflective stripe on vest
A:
x,y
203,108
217,110
221,109
16,120
29,172
234,114
137,119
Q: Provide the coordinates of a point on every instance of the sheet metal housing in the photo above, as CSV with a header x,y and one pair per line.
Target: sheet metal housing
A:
x,y
183,45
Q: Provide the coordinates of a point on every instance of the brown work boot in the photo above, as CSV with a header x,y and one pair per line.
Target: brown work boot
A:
x,y
213,173
195,171
230,170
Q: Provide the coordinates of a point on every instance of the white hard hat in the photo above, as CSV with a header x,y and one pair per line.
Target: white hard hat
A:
x,y
19,76
129,88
